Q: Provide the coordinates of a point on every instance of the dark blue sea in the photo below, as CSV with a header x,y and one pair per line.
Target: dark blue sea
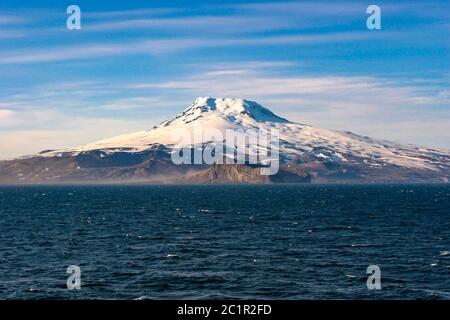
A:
x,y
211,242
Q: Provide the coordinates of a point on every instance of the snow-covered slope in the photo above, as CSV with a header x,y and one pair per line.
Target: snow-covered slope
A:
x,y
295,139
325,155
209,113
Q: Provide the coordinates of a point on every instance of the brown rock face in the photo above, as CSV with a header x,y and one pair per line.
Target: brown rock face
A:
x,y
228,173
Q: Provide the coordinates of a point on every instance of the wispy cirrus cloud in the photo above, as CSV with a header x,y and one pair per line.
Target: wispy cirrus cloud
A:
x,y
202,24
339,8
94,51
247,82
13,26
318,8
9,19
161,46
132,13
12,34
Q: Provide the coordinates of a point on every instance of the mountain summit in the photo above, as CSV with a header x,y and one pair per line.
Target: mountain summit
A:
x,y
209,113
307,154
231,109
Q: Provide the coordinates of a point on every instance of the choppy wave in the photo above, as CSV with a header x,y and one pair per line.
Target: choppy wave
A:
x,y
212,242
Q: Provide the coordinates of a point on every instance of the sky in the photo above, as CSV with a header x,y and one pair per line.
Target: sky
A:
x,y
134,64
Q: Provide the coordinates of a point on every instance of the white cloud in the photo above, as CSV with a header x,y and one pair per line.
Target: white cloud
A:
x,y
5,115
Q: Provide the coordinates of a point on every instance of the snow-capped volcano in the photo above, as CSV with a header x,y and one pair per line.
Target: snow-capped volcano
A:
x,y
322,155
209,113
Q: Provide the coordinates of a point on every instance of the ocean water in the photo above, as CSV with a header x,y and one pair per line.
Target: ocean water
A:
x,y
211,242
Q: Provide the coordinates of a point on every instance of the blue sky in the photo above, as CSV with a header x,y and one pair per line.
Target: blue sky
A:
x,y
135,63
